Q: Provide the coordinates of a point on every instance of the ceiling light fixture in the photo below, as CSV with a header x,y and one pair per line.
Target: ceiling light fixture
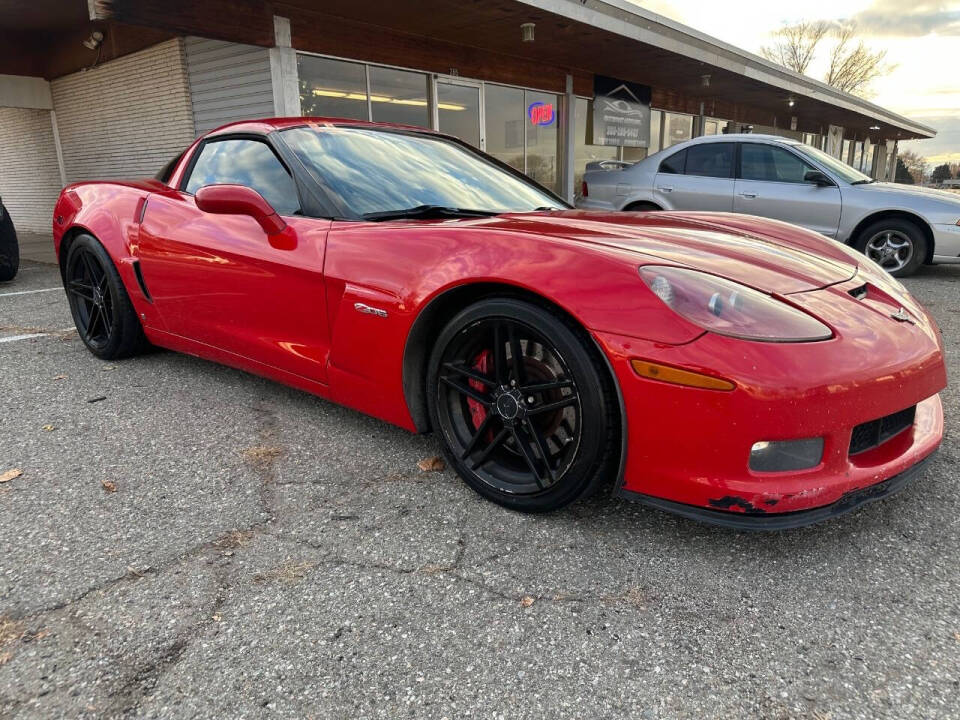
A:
x,y
93,42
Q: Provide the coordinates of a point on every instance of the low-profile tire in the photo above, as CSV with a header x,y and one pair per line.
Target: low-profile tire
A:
x,y
642,207
897,245
9,248
105,318
522,404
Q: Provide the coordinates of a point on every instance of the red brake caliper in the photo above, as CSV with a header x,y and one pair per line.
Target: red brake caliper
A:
x,y
482,364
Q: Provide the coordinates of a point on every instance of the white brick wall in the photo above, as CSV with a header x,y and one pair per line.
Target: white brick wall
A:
x,y
127,117
29,174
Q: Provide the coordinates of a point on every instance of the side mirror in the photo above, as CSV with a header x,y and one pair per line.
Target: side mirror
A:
x,y
239,200
818,178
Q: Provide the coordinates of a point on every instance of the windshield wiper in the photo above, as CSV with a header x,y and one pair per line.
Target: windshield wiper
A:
x,y
863,182
425,212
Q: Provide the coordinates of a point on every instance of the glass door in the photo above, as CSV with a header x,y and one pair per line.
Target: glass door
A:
x,y
459,110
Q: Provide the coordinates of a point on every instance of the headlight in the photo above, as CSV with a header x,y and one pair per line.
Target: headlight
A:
x,y
728,308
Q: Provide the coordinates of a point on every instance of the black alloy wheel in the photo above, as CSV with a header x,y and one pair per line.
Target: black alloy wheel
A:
x,y
101,309
522,405
9,248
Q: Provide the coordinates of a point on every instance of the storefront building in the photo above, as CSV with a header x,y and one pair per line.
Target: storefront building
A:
x,y
113,89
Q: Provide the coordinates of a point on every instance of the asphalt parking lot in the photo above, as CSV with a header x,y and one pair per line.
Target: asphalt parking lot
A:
x,y
186,540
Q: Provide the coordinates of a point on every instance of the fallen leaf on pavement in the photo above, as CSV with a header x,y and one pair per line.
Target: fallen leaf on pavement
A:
x,y
527,601
5,658
433,464
109,485
108,368
49,428
59,377
216,617
10,475
97,399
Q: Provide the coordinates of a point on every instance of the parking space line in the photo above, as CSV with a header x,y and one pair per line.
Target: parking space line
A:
x,y
14,338
29,292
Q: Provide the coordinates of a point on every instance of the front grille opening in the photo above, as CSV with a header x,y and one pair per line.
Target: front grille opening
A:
x,y
869,435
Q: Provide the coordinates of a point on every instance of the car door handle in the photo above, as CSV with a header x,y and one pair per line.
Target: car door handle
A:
x,y
748,194
665,189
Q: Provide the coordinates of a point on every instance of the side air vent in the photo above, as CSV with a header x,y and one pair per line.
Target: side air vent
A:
x,y
859,293
140,282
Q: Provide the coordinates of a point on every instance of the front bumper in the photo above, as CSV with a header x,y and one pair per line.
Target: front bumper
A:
x,y
786,521
946,243
691,446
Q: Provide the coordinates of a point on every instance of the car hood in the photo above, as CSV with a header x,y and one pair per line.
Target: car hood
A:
x,y
909,190
765,254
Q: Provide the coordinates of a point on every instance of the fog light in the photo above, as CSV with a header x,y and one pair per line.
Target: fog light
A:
x,y
781,455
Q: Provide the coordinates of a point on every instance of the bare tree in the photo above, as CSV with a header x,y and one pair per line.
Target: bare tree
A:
x,y
916,165
853,66
795,46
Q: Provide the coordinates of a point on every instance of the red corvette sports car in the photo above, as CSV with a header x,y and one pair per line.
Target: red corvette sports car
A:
x,y
732,369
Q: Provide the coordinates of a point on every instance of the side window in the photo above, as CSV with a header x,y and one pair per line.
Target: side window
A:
x,y
674,164
245,162
710,160
770,163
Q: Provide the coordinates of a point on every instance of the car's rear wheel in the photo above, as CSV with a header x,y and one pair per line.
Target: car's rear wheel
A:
x,y
105,318
522,405
895,244
9,248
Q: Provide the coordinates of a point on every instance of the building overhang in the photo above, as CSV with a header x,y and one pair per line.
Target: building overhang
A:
x,y
580,37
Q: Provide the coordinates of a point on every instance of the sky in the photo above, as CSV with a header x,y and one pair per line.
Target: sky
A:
x,y
921,37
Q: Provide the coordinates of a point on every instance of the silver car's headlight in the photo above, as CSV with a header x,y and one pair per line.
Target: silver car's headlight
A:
x,y
729,308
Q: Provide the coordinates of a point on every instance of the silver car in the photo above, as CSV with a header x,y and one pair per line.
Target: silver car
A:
x,y
898,226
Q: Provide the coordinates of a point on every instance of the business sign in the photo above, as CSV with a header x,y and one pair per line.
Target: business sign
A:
x,y
541,113
621,113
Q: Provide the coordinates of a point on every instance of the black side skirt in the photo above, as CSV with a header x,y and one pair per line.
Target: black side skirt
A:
x,y
783,521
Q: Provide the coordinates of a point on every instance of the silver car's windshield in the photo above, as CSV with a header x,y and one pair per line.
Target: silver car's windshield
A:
x,y
837,167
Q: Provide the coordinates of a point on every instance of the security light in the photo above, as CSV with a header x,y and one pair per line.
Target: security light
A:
x,y
93,42
526,31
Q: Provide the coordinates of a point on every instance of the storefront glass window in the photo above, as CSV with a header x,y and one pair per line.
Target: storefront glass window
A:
x,y
505,116
678,128
399,96
458,111
332,88
541,117
583,150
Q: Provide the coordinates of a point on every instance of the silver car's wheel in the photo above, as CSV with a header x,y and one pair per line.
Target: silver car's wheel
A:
x,y
896,244
890,249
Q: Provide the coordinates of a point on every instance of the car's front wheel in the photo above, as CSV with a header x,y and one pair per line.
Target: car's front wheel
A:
x,y
895,244
105,318
522,405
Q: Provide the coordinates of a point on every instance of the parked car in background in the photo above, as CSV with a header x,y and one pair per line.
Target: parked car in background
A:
x,y
898,226
9,248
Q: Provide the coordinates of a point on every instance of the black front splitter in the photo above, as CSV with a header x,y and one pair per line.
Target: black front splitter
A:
x,y
759,521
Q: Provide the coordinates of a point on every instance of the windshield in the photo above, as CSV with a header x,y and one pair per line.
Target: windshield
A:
x,y
837,167
379,171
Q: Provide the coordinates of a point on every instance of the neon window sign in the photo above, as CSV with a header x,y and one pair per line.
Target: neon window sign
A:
x,y
541,113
